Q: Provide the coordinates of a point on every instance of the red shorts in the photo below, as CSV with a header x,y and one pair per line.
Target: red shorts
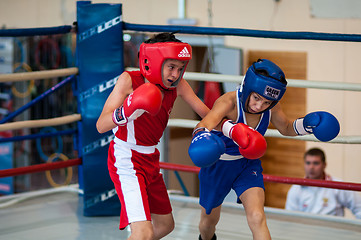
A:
x,y
138,182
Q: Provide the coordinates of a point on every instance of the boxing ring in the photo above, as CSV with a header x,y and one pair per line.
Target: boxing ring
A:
x,y
76,211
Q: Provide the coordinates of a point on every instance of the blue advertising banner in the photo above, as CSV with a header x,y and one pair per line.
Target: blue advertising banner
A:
x,y
100,61
6,162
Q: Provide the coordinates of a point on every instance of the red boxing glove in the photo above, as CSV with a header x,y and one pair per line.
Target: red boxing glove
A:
x,y
146,98
252,144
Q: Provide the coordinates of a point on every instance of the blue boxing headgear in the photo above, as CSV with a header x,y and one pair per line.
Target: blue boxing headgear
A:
x,y
265,78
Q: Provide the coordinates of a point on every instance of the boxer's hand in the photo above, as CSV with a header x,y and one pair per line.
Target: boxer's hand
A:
x,y
205,148
146,98
252,144
323,125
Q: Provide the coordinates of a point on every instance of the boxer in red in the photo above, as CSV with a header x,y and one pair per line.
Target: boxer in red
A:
x,y
138,110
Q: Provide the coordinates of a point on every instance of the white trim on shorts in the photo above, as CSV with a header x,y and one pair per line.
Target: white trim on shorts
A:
x,y
227,157
129,181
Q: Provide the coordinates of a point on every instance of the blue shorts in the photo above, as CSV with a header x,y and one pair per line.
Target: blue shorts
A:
x,y
217,180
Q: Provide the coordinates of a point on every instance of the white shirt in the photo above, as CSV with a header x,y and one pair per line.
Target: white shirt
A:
x,y
326,201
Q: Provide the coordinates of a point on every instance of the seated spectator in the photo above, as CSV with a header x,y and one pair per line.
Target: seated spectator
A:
x,y
321,200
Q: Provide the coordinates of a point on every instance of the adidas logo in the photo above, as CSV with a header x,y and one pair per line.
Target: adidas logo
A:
x,y
184,53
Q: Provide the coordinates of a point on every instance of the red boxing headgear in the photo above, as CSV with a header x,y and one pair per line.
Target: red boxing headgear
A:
x,y
153,55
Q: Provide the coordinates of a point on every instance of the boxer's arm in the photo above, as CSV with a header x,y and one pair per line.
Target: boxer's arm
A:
x,y
146,98
283,124
121,90
252,144
205,148
185,91
322,124
221,108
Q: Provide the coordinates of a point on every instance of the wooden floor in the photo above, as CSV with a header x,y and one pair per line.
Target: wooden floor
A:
x,y
50,214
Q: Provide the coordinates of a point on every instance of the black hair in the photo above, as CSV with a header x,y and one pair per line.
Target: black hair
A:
x,y
316,152
163,37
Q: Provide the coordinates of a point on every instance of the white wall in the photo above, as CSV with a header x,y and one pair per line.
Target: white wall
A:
x,y
327,61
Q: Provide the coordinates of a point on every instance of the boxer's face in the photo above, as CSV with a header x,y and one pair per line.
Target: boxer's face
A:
x,y
257,103
172,69
314,167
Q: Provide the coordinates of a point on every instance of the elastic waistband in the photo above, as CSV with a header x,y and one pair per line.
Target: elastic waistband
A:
x,y
227,157
138,148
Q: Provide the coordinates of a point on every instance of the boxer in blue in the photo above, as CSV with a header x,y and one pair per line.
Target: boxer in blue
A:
x,y
229,159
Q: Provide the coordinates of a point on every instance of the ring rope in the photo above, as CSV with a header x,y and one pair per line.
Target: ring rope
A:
x,y
312,138
25,32
37,99
57,143
194,30
290,82
186,123
69,173
39,167
40,123
278,179
35,136
173,166
36,75
171,123
243,32
14,90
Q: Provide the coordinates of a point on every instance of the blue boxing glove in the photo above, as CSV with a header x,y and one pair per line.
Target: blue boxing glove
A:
x,y
206,148
323,125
